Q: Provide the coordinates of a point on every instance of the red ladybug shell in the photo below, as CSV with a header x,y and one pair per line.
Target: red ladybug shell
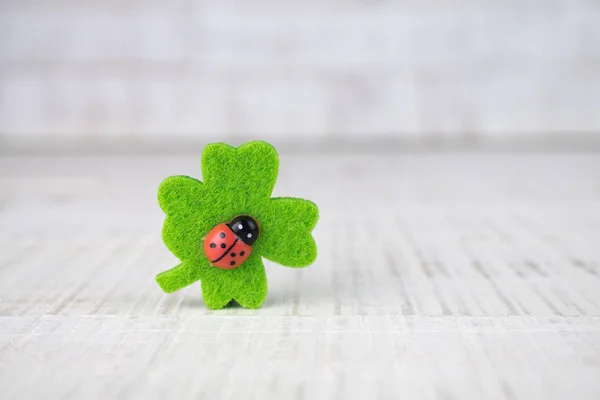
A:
x,y
224,248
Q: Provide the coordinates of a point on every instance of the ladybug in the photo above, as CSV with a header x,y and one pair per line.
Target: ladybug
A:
x,y
228,245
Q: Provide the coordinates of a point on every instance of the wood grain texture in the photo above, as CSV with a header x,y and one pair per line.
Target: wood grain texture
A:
x,y
456,276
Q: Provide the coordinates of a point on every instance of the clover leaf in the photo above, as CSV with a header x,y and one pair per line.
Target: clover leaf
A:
x,y
237,181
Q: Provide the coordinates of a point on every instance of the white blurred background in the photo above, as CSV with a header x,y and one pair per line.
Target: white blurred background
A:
x,y
143,74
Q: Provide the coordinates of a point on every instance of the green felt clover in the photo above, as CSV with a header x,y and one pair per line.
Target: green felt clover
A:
x,y
237,181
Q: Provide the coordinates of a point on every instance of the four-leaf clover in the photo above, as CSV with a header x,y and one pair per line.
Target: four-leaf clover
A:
x,y
236,181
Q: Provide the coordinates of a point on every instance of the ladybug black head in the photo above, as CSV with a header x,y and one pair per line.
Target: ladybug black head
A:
x,y
246,228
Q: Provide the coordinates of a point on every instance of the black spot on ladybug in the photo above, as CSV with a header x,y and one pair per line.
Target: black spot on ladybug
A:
x,y
222,235
232,254
242,253
223,245
232,263
212,245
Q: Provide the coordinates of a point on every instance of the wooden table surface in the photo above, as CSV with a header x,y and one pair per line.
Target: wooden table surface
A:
x,y
440,276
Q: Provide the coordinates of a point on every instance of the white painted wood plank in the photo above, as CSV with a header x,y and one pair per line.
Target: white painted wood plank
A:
x,y
450,276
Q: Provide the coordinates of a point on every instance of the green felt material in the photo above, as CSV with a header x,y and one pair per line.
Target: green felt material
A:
x,y
236,181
